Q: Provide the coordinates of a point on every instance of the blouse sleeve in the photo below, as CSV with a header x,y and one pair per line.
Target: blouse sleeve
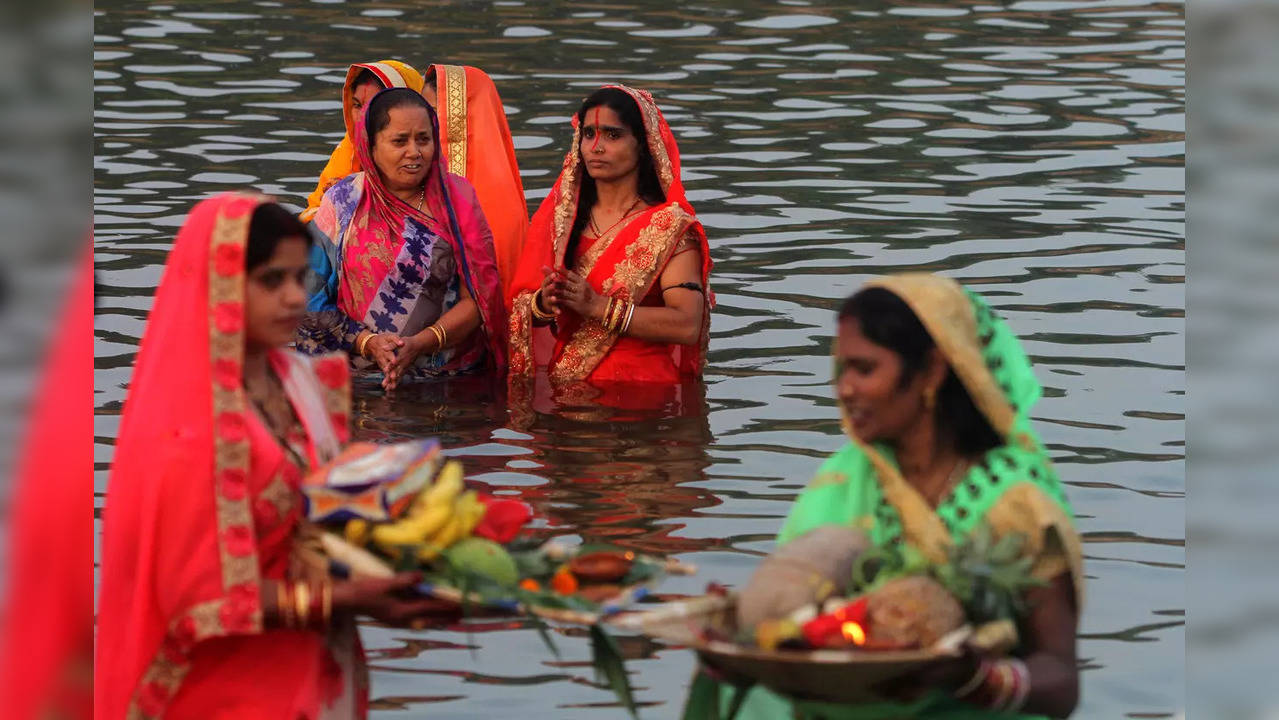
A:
x,y
324,327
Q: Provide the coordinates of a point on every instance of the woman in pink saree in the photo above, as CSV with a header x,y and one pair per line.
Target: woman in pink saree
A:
x,y
406,281
209,605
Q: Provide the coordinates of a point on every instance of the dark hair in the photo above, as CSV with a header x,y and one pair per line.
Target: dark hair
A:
x,y
650,188
887,321
269,224
365,77
379,112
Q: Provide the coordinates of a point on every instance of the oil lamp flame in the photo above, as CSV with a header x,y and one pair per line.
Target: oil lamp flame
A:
x,y
854,633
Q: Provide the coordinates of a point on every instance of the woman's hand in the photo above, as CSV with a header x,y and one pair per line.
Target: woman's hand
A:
x,y
412,347
549,278
573,293
393,601
381,349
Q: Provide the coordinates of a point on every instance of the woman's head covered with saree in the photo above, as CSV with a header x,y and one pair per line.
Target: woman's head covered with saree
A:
x,y
363,80
627,266
199,509
376,253
982,405
476,141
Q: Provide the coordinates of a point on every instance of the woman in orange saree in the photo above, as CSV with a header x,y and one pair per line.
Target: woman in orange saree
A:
x,y
476,142
616,262
209,607
363,81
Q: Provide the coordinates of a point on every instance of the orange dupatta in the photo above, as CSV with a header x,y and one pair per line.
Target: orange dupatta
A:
x,y
203,503
477,145
343,161
626,267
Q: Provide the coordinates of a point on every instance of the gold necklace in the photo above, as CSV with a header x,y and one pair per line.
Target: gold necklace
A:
x,y
596,228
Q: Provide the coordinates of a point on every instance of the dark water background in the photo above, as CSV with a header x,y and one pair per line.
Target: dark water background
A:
x,y
1034,150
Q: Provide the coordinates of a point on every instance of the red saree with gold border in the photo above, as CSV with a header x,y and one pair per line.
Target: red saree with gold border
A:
x,y
203,505
626,266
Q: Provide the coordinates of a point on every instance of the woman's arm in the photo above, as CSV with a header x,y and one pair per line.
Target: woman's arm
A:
x,y
1050,630
678,321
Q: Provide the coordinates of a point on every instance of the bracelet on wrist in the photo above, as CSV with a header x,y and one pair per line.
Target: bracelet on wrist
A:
x,y
537,309
363,344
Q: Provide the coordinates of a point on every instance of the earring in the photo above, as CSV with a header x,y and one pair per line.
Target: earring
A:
x,y
930,399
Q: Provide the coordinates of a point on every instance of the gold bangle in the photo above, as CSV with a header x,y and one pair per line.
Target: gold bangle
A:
x,y
363,344
439,338
282,604
621,315
444,332
302,602
611,315
537,311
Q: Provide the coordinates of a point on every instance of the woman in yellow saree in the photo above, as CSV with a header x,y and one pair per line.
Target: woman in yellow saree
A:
x,y
363,81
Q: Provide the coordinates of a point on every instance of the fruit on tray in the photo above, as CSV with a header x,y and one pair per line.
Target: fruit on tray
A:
x,y
484,558
804,571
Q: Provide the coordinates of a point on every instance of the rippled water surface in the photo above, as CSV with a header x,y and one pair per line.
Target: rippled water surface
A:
x,y
1034,150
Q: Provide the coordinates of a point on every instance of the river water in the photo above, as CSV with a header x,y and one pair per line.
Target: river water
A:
x,y
1034,150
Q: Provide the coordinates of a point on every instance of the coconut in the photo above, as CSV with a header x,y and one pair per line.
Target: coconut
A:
x,y
804,571
914,611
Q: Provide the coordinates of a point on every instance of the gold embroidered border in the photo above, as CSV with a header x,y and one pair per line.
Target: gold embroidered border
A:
x,y
566,203
520,360
632,277
454,94
236,542
280,495
653,128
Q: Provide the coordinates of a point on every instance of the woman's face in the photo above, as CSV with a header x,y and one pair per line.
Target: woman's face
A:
x,y
360,97
404,149
275,295
609,148
868,385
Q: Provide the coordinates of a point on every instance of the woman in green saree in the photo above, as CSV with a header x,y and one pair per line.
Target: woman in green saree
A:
x,y
935,392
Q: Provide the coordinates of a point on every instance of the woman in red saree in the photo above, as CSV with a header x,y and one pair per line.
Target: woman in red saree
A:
x,y
616,262
208,606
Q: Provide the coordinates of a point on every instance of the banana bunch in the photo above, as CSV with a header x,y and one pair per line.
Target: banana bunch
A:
x,y
440,515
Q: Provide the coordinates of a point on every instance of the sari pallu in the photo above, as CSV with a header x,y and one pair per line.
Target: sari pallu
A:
x,y
1013,488
382,265
477,144
203,506
626,266
343,161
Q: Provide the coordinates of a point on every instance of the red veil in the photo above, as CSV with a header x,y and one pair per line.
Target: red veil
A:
x,y
202,504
